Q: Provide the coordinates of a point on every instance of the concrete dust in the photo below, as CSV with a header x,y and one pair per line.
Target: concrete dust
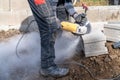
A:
x,y
14,68
27,67
28,61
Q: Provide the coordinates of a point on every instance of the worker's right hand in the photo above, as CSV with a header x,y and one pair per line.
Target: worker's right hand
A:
x,y
80,18
59,26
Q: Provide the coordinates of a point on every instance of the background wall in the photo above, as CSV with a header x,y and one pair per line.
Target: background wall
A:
x,y
100,2
14,12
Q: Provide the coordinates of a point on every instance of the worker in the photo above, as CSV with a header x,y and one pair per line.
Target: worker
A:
x,y
44,12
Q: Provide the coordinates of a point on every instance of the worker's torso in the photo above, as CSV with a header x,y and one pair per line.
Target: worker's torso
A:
x,y
58,2
59,9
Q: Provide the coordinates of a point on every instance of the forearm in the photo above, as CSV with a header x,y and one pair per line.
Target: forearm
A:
x,y
70,8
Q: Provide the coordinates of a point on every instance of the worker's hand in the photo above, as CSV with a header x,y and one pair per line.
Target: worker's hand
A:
x,y
81,18
59,26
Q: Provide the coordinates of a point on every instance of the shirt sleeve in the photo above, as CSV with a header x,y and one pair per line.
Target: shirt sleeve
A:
x,y
69,7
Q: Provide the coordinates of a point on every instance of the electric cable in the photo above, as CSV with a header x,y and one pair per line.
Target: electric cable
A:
x,y
90,73
22,38
83,66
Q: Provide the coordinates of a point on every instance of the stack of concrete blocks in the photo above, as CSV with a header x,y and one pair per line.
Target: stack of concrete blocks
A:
x,y
94,43
112,31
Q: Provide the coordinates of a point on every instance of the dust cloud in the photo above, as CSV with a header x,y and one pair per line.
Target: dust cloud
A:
x,y
28,63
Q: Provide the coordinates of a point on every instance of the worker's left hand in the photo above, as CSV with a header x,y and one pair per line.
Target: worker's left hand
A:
x,y
81,18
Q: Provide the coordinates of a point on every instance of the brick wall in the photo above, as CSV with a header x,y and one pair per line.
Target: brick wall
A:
x,y
14,12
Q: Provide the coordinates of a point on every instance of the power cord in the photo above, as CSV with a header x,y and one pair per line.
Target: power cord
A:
x,y
83,66
90,73
22,38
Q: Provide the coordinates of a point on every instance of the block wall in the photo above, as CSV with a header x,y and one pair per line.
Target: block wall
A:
x,y
14,12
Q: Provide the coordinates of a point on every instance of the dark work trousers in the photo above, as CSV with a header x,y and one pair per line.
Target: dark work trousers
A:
x,y
45,17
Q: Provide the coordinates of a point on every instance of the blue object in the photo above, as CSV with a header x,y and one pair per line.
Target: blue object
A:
x,y
116,45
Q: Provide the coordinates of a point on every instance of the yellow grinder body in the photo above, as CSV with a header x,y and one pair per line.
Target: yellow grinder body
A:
x,y
70,27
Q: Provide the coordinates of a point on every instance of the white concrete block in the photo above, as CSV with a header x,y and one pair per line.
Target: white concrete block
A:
x,y
12,17
114,22
19,5
94,43
112,32
4,5
94,36
95,49
6,18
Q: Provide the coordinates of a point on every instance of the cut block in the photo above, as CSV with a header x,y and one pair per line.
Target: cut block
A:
x,y
94,43
95,49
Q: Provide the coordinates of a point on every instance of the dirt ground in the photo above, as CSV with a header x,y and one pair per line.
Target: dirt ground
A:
x,y
8,34
103,66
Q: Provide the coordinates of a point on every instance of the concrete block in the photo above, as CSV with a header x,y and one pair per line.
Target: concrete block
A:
x,y
94,43
29,12
20,16
108,14
102,13
113,15
112,31
94,36
93,15
95,49
19,5
12,18
6,18
4,5
114,22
